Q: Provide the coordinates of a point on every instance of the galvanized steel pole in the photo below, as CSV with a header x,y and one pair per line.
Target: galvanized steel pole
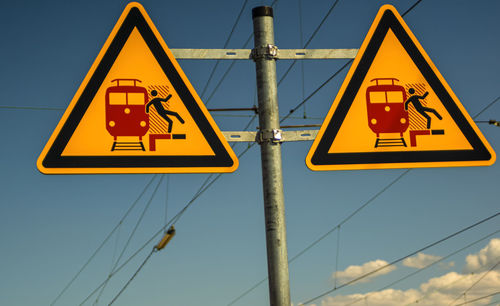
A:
x,y
264,55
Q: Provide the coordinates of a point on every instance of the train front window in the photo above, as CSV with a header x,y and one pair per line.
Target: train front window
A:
x,y
377,97
136,98
118,98
395,97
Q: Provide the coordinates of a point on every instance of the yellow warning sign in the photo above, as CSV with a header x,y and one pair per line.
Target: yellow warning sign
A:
x,y
395,110
136,112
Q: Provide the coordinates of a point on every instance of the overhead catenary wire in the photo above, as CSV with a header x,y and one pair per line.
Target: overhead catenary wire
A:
x,y
428,266
132,278
309,40
207,184
166,238
475,283
362,206
310,246
337,257
487,106
302,72
401,259
304,101
213,115
167,190
105,240
132,233
32,108
226,73
225,46
444,287
479,298
326,234
338,71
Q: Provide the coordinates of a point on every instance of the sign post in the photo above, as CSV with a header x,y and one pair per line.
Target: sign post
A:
x,y
269,138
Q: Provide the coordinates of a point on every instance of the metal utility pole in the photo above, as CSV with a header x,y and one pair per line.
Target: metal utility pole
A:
x,y
269,137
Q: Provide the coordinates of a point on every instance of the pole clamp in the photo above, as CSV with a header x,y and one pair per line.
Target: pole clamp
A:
x,y
274,136
267,52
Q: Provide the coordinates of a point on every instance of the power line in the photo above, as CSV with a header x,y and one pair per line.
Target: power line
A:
x,y
31,108
309,40
337,257
232,64
172,221
316,91
350,216
104,241
445,286
132,278
206,184
301,35
411,8
475,283
333,229
428,266
167,189
115,270
146,207
217,177
486,107
225,46
401,259
338,71
479,298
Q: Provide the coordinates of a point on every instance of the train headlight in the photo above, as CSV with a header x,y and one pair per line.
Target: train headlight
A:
x,y
387,108
127,110
143,123
373,121
111,123
403,120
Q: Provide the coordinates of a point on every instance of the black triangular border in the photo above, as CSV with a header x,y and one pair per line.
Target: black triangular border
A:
x,y
321,156
135,19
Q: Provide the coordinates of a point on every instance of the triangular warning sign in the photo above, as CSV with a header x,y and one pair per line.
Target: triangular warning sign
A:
x,y
136,112
395,110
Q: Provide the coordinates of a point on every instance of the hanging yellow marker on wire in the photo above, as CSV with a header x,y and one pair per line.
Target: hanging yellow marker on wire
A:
x,y
166,238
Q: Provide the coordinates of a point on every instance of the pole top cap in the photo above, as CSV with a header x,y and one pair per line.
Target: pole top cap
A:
x,y
261,11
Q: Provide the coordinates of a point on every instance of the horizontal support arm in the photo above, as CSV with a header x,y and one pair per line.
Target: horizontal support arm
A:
x,y
245,54
244,136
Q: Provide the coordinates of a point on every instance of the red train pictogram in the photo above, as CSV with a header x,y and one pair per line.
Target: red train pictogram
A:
x,y
125,112
386,112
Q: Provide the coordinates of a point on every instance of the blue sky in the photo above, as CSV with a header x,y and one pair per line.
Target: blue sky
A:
x,y
51,225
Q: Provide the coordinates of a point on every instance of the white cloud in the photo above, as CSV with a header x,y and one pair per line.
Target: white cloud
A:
x,y
485,259
442,290
388,297
437,291
420,260
455,283
353,272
